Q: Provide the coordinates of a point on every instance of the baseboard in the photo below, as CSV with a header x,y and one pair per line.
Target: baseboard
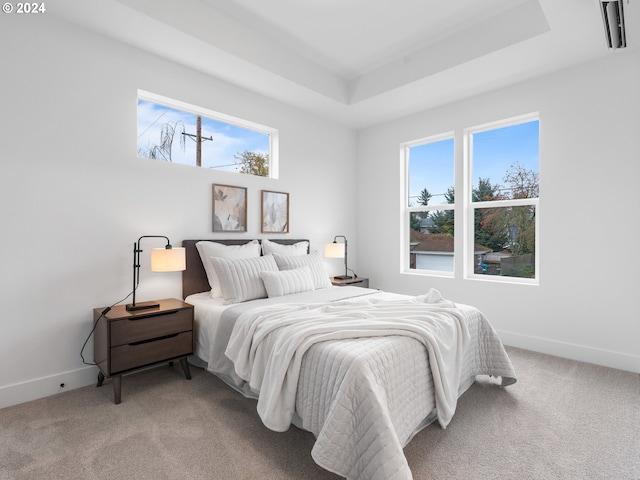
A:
x,y
596,356
45,386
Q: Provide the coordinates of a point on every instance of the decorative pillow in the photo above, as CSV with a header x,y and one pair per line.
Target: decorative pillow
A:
x,y
207,250
287,282
299,248
313,261
240,279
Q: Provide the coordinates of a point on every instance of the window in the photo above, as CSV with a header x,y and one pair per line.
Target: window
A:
x,y
497,205
502,207
429,229
173,131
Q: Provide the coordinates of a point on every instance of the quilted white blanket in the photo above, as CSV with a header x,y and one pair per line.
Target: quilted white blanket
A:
x,y
363,375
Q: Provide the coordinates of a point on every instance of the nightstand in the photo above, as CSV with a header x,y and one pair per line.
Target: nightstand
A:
x,y
352,282
125,341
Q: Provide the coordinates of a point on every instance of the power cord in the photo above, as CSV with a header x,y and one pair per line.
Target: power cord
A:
x,y
102,314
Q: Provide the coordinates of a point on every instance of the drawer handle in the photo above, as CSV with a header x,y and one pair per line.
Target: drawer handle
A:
x,y
160,314
154,339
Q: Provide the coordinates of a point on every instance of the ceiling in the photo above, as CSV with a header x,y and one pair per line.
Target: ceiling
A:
x,y
361,62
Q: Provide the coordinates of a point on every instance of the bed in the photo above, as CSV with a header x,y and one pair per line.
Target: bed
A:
x,y
362,370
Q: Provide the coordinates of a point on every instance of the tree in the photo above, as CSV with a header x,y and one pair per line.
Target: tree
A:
x,y
424,197
415,218
489,231
511,228
523,183
443,220
253,163
162,151
415,222
485,192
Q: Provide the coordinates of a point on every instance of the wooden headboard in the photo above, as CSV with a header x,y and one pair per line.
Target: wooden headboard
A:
x,y
194,278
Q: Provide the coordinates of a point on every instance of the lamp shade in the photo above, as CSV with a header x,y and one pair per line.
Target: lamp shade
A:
x,y
334,250
168,259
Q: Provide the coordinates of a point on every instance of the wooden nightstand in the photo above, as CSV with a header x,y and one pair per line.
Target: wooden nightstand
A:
x,y
352,282
126,341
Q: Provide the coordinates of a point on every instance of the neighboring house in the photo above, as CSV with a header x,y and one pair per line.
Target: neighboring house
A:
x,y
426,224
434,251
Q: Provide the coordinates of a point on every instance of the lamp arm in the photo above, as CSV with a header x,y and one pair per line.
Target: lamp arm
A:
x,y
136,261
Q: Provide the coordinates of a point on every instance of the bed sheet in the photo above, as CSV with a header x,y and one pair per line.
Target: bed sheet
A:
x,y
207,313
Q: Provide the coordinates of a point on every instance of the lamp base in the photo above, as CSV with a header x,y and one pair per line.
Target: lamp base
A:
x,y
343,277
142,306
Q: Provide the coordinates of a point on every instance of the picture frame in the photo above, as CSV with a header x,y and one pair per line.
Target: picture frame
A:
x,y
275,212
229,208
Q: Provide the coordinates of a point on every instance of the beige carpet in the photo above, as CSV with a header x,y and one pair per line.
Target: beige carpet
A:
x,y
562,420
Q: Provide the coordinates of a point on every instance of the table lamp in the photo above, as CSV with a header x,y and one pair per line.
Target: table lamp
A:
x,y
339,250
167,259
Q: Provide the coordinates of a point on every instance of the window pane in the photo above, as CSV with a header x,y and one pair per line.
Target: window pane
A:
x,y
505,162
505,241
431,175
431,240
172,135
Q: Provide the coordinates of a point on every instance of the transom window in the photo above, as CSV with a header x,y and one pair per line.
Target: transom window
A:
x,y
173,131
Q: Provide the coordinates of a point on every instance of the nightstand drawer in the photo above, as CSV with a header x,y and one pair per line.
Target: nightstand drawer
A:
x,y
351,282
127,331
125,357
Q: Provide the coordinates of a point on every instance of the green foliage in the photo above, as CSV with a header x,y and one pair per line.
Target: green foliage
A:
x,y
424,197
503,228
253,163
415,221
511,228
443,221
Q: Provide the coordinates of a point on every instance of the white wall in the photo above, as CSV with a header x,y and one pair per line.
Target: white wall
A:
x,y
74,197
586,304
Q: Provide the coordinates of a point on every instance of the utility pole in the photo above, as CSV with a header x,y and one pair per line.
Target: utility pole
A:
x,y
198,138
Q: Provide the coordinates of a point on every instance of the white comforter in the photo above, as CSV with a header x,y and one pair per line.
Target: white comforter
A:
x,y
363,375
267,346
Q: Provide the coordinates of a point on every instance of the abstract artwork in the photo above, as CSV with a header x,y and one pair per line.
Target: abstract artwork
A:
x,y
275,212
229,208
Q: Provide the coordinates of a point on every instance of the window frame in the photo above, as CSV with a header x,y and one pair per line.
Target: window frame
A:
x,y
272,133
464,208
405,253
470,206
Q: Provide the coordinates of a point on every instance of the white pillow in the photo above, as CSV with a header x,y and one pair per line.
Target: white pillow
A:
x,y
299,248
240,279
313,261
207,250
287,282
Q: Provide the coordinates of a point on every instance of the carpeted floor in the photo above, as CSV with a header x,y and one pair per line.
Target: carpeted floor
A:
x,y
562,420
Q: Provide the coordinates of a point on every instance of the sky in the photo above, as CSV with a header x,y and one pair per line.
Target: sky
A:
x,y
431,165
228,139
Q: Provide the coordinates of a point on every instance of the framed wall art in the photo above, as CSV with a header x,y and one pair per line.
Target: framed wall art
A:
x,y
229,208
275,212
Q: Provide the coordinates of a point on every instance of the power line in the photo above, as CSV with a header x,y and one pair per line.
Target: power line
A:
x,y
227,165
154,122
